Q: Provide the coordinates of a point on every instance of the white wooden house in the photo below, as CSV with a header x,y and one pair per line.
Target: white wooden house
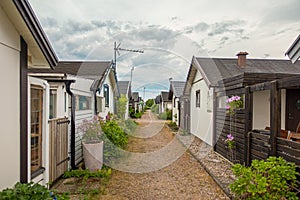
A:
x,y
175,92
24,130
294,50
92,89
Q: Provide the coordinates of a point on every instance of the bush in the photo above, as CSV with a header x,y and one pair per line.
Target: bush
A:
x,y
166,115
114,137
105,172
271,179
138,115
155,108
173,126
30,191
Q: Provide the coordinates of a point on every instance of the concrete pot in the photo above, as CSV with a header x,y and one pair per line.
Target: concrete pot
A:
x,y
93,155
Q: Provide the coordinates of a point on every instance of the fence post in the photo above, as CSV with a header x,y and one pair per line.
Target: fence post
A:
x,y
248,124
275,116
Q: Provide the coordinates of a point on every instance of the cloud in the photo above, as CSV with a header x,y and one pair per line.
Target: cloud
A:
x,y
231,26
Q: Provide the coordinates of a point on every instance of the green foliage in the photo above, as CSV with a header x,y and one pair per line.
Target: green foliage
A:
x,y
166,115
138,115
30,191
131,112
149,103
85,174
173,126
91,129
122,106
155,108
114,137
271,179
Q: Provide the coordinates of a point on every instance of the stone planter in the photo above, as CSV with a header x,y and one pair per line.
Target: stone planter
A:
x,y
93,155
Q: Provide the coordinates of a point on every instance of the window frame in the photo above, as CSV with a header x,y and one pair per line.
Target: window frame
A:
x,y
106,94
198,98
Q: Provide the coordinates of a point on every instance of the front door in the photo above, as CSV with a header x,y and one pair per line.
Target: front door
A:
x,y
292,109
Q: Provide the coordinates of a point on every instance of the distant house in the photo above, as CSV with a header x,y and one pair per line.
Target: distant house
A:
x,y
212,80
93,92
25,110
136,102
175,92
294,51
125,89
165,102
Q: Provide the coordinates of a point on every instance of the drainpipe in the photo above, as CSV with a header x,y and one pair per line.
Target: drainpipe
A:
x,y
68,89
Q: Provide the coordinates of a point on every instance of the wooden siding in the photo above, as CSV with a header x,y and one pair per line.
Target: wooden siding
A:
x,y
234,124
58,129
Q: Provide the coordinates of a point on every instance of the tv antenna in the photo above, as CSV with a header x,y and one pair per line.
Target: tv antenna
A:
x,y
117,50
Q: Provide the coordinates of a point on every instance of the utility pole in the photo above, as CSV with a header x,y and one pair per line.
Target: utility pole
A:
x,y
117,49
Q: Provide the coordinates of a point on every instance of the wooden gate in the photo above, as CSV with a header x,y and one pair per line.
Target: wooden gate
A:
x,y
58,130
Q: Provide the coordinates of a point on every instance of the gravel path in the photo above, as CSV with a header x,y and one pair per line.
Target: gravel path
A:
x,y
170,172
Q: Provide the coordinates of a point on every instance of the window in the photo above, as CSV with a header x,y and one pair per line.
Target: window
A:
x,y
198,98
99,104
53,104
209,101
83,102
36,125
106,95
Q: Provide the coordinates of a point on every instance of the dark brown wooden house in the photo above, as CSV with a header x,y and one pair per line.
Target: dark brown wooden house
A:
x,y
270,92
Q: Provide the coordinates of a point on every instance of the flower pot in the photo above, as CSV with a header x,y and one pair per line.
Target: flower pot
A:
x,y
93,155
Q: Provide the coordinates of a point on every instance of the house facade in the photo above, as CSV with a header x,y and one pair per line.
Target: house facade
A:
x,y
175,92
165,103
88,88
24,131
294,50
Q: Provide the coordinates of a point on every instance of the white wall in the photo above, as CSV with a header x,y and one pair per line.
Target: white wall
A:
x,y
175,110
10,101
201,120
261,109
111,98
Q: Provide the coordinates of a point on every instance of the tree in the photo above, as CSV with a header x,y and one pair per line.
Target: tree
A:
x,y
149,103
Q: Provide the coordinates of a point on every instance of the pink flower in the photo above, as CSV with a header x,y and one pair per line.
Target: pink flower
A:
x,y
230,137
227,107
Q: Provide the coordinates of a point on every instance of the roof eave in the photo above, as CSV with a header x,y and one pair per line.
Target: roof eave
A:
x,y
36,30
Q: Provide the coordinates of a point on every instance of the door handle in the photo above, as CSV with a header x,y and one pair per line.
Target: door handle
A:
x,y
291,116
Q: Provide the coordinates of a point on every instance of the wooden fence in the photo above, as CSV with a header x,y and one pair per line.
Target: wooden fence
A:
x,y
58,129
234,125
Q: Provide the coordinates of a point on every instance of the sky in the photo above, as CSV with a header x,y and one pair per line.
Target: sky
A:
x,y
170,32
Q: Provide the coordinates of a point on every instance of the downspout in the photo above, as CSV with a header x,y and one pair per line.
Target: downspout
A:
x,y
214,136
68,89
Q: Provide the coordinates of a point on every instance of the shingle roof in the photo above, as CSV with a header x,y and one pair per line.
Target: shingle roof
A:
x,y
165,96
177,87
86,69
294,51
123,87
216,69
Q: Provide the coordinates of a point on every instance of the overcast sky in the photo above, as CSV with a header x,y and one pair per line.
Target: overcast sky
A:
x,y
169,31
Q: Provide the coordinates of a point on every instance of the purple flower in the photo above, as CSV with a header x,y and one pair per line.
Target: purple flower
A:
x,y
227,107
230,137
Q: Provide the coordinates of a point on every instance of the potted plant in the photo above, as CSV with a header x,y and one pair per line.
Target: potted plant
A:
x,y
92,144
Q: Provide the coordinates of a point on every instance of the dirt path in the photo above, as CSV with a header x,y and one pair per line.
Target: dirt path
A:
x,y
159,168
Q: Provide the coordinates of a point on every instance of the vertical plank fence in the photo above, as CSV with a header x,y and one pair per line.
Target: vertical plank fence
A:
x,y
58,129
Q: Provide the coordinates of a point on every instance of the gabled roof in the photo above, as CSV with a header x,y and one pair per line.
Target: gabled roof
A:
x,y
124,87
294,51
22,16
165,96
86,69
216,69
176,88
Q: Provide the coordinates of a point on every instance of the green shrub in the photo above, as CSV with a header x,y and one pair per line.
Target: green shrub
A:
x,y
271,179
138,115
166,115
114,137
155,108
85,174
149,103
30,191
173,126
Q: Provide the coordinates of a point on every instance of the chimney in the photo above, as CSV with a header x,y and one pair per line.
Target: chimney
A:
x,y
242,59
